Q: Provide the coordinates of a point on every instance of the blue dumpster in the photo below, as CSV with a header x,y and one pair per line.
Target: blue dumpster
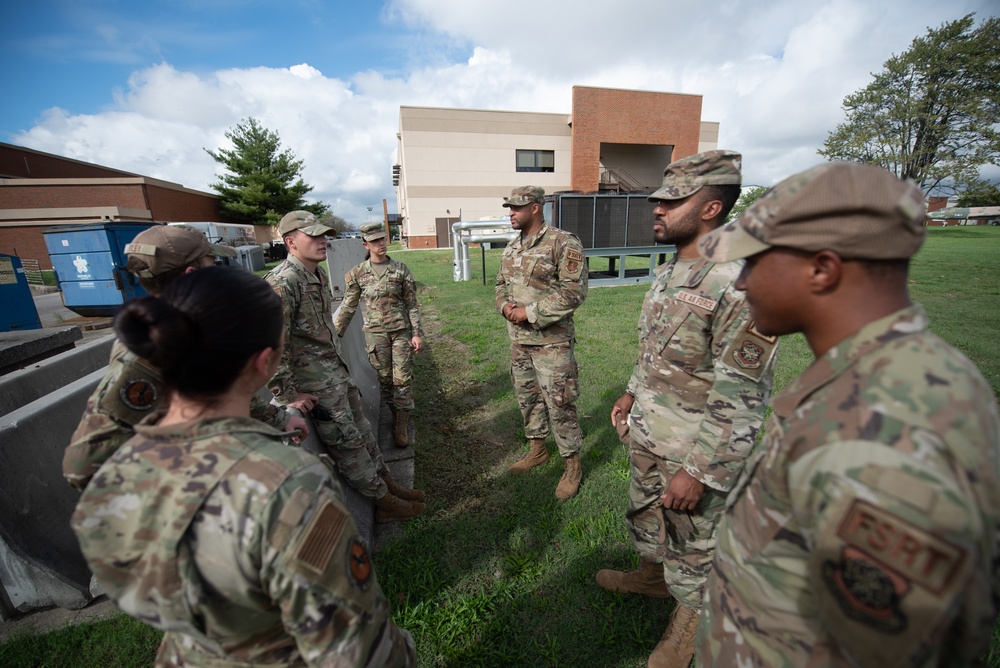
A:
x,y
18,310
89,261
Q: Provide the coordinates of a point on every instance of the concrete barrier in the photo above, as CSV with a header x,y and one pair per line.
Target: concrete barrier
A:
x,y
21,387
42,564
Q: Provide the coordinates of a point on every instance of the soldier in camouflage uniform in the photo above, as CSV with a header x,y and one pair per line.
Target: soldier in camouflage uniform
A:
x,y
694,403
541,282
865,530
311,362
392,323
206,526
131,387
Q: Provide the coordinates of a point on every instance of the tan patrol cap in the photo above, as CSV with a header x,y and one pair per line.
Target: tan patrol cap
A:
x,y
167,247
683,178
861,212
302,220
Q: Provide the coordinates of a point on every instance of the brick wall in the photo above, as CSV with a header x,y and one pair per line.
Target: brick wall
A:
x,y
422,242
126,195
25,242
629,117
169,205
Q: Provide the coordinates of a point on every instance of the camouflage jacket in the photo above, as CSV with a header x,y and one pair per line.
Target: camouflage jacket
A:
x,y
547,275
130,390
390,299
865,530
311,359
241,549
704,374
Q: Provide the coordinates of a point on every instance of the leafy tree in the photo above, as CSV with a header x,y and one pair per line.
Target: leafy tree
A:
x,y
749,195
263,184
980,193
339,225
933,113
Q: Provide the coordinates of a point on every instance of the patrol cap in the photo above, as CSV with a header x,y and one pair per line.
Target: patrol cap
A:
x,y
683,178
167,247
302,220
525,195
861,212
372,231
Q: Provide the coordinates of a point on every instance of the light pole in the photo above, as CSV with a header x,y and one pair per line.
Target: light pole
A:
x,y
370,213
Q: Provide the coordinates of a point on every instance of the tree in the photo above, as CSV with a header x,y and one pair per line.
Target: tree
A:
x,y
339,225
263,184
749,195
980,193
932,114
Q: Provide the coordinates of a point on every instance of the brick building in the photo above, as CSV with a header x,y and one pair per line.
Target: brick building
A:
x,y
456,163
40,190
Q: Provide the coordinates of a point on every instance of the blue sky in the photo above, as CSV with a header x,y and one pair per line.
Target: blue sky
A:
x,y
146,86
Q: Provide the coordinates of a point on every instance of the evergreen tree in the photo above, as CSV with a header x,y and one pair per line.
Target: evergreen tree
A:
x,y
933,113
264,182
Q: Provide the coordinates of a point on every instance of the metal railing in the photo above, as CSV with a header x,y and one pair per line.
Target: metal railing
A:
x,y
32,272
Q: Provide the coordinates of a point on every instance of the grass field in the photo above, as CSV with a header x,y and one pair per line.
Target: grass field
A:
x,y
497,572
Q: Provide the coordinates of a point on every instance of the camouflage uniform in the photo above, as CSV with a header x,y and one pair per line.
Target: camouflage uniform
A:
x,y
130,390
546,274
391,320
241,549
701,385
865,531
311,363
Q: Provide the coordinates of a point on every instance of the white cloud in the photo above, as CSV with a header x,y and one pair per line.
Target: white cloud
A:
x,y
774,74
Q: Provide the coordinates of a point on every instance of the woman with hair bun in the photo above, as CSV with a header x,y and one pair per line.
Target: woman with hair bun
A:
x,y
205,525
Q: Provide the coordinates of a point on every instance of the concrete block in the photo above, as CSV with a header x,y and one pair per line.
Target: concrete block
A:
x,y
21,387
23,347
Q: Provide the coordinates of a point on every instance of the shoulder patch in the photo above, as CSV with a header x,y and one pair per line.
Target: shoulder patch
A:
x,y
321,537
891,542
290,516
749,352
359,565
574,261
139,394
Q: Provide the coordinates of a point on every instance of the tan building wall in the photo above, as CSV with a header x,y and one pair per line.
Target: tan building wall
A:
x,y
461,162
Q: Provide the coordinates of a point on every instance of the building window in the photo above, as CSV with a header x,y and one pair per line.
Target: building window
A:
x,y
536,161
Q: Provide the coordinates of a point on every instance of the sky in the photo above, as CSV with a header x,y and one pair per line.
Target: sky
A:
x,y
148,86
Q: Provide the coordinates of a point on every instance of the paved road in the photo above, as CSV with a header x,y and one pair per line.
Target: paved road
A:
x,y
53,313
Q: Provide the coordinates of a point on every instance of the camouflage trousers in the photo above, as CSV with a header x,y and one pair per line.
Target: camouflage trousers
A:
x,y
545,381
347,435
391,355
683,541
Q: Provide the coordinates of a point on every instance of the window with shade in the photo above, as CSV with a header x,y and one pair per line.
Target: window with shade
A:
x,y
536,161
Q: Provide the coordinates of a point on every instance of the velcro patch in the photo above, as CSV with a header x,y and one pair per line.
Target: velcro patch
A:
x,y
752,329
749,354
139,394
697,300
574,261
140,249
359,565
291,515
321,537
917,555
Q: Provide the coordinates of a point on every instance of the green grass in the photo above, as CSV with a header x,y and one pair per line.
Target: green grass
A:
x,y
497,572
119,642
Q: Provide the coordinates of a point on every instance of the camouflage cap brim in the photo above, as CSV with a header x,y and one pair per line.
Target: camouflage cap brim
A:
x,y
316,230
730,242
218,250
674,192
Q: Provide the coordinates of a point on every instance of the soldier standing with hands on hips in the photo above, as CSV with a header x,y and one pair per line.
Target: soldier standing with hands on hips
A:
x,y
393,334
541,282
694,403
865,531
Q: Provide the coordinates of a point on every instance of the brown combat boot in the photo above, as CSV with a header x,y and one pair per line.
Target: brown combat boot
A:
x,y
391,508
398,490
676,647
536,456
646,580
569,484
401,428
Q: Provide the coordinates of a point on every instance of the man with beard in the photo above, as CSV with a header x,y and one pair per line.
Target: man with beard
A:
x,y
694,403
